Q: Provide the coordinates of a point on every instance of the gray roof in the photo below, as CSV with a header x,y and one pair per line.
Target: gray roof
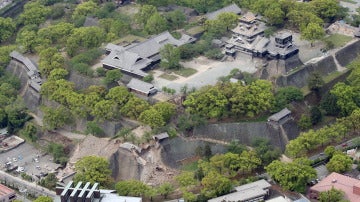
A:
x,y
243,29
233,8
153,45
245,192
128,146
31,70
141,86
262,184
281,114
29,65
136,57
161,136
277,199
3,131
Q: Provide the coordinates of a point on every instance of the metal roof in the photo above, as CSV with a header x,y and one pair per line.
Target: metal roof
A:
x,y
245,192
232,8
161,136
281,114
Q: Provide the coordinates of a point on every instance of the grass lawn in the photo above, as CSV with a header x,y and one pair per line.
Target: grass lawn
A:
x,y
338,40
190,166
332,76
168,76
185,72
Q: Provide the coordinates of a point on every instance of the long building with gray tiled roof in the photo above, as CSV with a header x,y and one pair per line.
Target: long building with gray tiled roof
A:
x,y
135,59
32,71
232,8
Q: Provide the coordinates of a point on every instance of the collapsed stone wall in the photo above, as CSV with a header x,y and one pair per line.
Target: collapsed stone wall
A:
x,y
299,77
348,53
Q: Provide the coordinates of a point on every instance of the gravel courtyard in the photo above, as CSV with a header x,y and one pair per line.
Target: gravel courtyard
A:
x,y
208,72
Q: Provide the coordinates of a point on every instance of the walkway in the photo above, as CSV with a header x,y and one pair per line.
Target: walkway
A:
x,y
20,184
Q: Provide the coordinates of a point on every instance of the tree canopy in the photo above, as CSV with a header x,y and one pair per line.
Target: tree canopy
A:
x,y
93,169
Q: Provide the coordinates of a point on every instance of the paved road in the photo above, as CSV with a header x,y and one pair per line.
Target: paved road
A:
x,y
20,184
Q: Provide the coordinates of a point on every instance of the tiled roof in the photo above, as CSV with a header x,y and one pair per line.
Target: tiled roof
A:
x,y
233,8
340,182
141,86
136,57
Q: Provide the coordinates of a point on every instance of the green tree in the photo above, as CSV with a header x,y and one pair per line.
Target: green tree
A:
x,y
16,114
346,96
215,184
134,107
57,33
252,99
85,37
56,118
93,169
49,181
34,13
166,109
3,118
30,131
28,40
144,14
84,9
112,76
119,95
166,189
228,19
104,110
215,27
339,163
315,82
326,9
304,122
285,95
152,118
57,74
43,199
329,151
332,195
186,179
312,32
155,24
170,57
58,152
209,102
94,129
7,28
274,14
315,115
329,104
50,59
132,188
176,19
265,151
291,176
